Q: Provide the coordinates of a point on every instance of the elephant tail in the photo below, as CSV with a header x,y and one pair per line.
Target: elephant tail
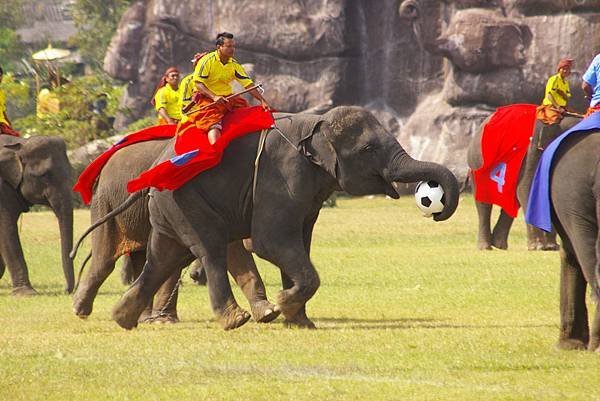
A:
x,y
115,212
87,258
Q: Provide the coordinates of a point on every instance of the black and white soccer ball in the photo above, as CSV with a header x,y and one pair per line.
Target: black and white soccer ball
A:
x,y
429,196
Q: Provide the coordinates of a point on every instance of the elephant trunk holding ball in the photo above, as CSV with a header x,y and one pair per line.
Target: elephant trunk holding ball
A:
x,y
33,171
277,206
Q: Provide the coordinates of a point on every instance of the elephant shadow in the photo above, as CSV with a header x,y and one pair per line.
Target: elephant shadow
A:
x,y
408,323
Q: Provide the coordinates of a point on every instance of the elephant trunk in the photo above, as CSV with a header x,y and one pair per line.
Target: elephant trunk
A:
x,y
405,169
63,209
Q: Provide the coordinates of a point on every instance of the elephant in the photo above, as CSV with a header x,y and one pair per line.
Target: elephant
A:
x,y
33,171
498,237
275,203
128,234
575,201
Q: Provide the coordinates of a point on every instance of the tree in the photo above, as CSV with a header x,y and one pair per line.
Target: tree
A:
x,y
11,15
96,22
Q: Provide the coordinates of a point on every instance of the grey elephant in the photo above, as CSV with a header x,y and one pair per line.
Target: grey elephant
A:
x,y
277,206
575,199
33,171
498,237
128,235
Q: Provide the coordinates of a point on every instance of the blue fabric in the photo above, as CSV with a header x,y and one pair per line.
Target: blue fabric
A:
x,y
184,158
591,76
538,205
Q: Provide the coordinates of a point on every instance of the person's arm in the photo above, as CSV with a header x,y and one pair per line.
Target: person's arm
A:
x,y
258,96
163,113
588,91
208,93
7,120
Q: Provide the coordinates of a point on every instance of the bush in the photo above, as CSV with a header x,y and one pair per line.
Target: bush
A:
x,y
75,122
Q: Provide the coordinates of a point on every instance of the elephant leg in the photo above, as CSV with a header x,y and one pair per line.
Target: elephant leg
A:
x,y
2,266
164,256
574,329
501,231
300,319
228,312
594,344
103,264
198,274
549,241
484,215
165,300
12,254
242,268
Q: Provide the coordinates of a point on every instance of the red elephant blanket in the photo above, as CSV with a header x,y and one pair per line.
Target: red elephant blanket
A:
x,y
504,144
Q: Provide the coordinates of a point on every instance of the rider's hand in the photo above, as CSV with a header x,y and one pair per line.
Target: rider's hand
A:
x,y
265,105
196,97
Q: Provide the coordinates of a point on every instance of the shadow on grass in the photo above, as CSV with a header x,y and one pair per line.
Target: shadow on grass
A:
x,y
408,323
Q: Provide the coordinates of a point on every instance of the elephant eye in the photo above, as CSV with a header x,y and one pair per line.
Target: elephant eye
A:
x,y
369,147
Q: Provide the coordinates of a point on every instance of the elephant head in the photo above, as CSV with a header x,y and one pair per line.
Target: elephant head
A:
x,y
369,160
40,173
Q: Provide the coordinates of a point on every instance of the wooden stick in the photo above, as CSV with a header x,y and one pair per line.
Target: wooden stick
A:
x,y
189,108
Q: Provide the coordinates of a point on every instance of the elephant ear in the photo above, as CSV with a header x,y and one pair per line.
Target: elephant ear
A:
x,y
319,149
11,168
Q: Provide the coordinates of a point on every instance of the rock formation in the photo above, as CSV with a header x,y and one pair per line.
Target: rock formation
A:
x,y
430,70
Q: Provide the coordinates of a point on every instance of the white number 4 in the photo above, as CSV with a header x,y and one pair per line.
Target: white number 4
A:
x,y
498,174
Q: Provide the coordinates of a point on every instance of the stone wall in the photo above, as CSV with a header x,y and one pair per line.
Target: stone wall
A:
x,y
430,70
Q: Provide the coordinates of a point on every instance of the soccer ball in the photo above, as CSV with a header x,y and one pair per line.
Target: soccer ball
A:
x,y
429,196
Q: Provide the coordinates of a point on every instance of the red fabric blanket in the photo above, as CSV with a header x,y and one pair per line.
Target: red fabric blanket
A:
x,y
85,183
195,154
504,143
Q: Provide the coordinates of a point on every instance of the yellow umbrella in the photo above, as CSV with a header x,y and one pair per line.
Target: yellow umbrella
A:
x,y
50,53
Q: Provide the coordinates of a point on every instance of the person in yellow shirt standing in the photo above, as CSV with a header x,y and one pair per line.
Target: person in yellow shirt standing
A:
x,y
213,76
166,99
556,95
5,126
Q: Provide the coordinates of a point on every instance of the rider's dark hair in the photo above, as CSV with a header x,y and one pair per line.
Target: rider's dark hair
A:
x,y
1,71
222,36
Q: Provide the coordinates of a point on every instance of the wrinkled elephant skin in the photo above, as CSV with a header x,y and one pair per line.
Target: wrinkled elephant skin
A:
x,y
345,149
33,171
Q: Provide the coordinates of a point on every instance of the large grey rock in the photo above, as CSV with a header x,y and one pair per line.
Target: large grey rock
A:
x,y
430,70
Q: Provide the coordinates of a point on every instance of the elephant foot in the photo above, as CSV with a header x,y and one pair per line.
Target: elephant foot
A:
x,y
299,322
290,303
82,308
571,344
550,247
594,345
484,246
23,291
264,311
146,315
127,311
164,318
198,275
500,244
233,317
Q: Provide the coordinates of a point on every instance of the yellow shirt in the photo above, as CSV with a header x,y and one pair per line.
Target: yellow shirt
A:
x,y
2,107
187,87
556,82
217,76
168,98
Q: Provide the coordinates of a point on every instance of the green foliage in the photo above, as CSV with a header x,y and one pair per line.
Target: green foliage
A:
x,y
11,16
75,121
11,49
96,23
408,309
142,123
17,96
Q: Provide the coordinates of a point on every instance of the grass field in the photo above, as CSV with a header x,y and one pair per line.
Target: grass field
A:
x,y
408,309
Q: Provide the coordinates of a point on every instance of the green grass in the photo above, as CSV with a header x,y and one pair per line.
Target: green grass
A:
x,y
408,309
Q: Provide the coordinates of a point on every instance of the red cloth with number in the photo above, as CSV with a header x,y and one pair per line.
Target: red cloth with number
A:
x,y
504,144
